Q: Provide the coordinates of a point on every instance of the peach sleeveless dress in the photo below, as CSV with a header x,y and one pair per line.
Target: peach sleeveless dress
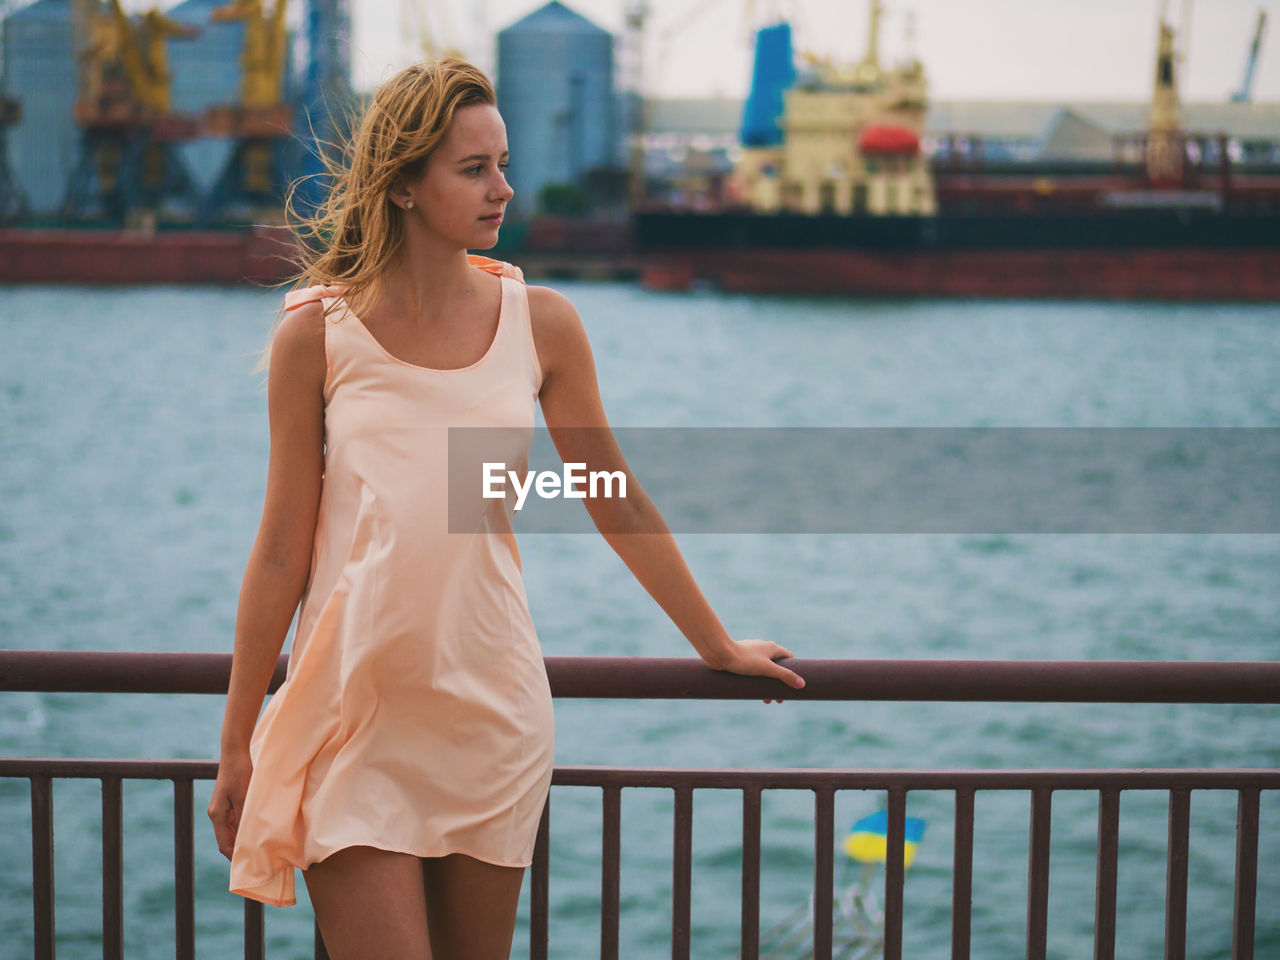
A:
x,y
416,714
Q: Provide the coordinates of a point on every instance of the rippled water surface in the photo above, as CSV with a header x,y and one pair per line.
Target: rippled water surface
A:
x,y
133,449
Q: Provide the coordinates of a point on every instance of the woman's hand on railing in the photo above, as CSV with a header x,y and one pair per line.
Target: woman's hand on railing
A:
x,y
755,658
234,771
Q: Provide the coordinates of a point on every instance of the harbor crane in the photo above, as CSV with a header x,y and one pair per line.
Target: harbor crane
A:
x,y
1165,145
426,38
128,166
253,179
1245,93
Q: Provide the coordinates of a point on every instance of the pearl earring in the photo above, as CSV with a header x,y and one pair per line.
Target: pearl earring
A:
x,y
408,205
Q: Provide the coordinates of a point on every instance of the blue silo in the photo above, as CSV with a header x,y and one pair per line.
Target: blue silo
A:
x,y
206,72
40,73
556,94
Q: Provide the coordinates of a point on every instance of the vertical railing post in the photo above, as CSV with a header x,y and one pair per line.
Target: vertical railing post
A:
x,y
750,873
1104,910
539,886
962,877
1175,905
894,872
1246,897
824,818
610,870
1038,874
42,865
184,871
682,872
255,933
112,870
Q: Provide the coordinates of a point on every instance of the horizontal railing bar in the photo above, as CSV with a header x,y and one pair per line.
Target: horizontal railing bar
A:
x,y
972,681
808,779
801,778
102,671
93,767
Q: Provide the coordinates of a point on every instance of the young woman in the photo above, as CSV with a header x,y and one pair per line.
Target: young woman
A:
x,y
404,763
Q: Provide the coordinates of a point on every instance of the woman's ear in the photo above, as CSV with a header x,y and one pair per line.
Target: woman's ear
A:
x,y
399,194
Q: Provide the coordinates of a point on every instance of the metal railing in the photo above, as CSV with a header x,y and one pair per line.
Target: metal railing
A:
x,y
597,677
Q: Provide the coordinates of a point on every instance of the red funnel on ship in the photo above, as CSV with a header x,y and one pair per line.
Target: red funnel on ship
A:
x,y
888,139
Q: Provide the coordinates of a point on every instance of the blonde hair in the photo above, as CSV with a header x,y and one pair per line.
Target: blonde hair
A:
x,y
354,232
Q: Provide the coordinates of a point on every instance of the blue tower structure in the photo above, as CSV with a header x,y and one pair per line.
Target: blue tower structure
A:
x,y
327,100
773,74
13,199
39,58
206,72
556,93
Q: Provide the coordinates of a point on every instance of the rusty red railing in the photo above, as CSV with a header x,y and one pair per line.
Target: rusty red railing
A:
x,y
596,677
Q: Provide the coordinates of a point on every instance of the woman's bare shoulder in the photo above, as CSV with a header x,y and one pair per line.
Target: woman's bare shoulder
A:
x,y
298,344
558,333
551,313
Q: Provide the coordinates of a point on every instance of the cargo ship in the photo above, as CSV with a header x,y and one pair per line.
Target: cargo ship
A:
x,y
263,255
834,194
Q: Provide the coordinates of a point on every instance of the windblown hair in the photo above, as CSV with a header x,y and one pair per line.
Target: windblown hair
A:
x,y
353,233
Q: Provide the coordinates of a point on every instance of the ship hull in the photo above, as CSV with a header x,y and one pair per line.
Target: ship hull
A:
x,y
1165,255
263,255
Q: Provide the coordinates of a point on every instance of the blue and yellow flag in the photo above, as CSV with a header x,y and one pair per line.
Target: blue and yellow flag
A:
x,y
868,840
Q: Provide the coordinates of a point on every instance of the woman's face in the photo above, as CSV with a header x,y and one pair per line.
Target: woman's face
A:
x,y
464,185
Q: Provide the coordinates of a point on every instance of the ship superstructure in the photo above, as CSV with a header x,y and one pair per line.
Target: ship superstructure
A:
x,y
847,139
835,194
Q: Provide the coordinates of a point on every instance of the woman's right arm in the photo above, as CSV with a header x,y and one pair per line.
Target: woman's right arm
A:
x,y
280,561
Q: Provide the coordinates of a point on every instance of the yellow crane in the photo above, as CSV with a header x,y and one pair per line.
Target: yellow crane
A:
x,y
1165,142
252,182
157,30
128,167
262,59
415,22
127,65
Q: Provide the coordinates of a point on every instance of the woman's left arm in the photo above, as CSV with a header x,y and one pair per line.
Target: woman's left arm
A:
x,y
631,525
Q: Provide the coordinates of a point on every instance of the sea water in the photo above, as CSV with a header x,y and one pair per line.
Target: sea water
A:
x,y
133,454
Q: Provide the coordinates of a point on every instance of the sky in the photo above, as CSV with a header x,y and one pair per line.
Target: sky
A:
x,y
971,49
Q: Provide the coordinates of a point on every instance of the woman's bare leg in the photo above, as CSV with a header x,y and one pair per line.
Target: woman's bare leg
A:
x,y
471,907
370,903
